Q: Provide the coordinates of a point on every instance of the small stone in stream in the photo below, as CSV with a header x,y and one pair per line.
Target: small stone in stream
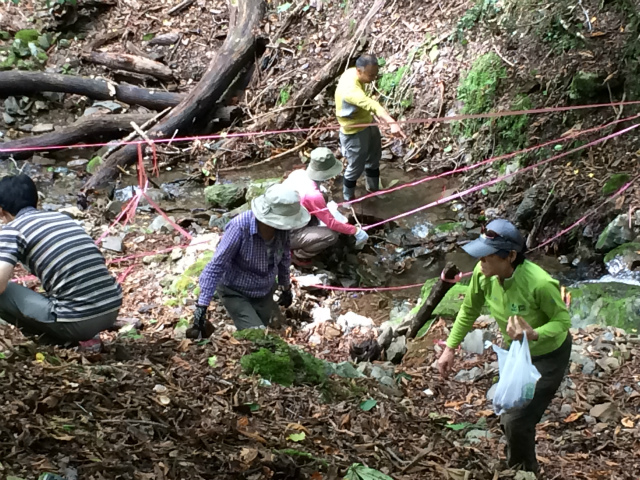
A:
x,y
81,162
27,127
377,372
615,234
605,412
468,224
160,224
225,195
468,375
563,259
8,119
40,105
114,107
176,254
42,128
165,39
112,243
397,349
12,107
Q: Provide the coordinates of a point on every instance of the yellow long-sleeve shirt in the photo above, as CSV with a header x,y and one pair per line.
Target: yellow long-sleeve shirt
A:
x,y
353,106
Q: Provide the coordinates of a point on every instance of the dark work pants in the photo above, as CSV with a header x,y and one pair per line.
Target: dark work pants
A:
x,y
247,312
519,425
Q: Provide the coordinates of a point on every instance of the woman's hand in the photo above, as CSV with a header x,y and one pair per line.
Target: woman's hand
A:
x,y
445,362
518,326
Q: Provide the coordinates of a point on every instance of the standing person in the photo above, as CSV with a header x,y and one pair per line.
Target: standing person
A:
x,y
82,298
254,250
362,146
323,230
523,299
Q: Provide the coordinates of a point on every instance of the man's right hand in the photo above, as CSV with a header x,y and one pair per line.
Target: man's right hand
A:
x,y
396,131
445,362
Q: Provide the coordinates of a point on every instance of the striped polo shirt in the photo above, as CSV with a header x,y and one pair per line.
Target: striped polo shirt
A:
x,y
68,263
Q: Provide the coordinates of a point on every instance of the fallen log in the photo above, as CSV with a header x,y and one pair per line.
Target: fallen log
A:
x,y
439,290
94,128
194,113
19,82
130,63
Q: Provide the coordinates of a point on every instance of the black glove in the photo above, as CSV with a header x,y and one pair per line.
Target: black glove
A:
x,y
199,323
286,298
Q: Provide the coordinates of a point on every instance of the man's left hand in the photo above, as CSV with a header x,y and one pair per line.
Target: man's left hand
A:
x,y
518,326
286,298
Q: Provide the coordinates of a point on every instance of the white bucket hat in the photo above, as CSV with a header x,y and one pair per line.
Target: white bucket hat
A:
x,y
280,208
323,165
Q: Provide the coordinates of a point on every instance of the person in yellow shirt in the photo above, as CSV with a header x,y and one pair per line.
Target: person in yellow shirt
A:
x,y
362,146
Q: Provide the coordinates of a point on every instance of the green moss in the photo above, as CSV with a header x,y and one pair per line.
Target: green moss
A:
x,y
93,165
477,91
27,35
614,183
189,278
448,227
279,362
622,250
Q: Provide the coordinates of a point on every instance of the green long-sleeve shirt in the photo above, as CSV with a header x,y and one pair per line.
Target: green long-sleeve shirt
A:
x,y
530,293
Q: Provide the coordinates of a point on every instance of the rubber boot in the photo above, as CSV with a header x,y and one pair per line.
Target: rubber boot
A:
x,y
348,193
373,184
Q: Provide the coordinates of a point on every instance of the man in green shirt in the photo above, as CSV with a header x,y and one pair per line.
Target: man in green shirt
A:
x,y
523,299
361,145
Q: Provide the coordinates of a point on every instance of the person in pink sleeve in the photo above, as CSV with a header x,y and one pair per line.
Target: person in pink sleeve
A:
x,y
324,228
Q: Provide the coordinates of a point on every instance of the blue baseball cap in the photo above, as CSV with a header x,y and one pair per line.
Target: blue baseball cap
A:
x,y
499,235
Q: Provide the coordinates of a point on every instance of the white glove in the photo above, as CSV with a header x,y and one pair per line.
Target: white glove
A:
x,y
333,209
361,238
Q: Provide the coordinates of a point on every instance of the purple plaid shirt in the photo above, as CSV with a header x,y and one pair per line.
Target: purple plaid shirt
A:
x,y
245,263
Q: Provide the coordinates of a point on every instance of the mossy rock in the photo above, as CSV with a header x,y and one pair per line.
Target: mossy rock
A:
x,y
225,196
93,165
258,187
585,85
279,362
27,35
614,183
623,250
189,279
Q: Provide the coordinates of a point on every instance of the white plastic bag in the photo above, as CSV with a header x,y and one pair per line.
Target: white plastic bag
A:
x,y
518,377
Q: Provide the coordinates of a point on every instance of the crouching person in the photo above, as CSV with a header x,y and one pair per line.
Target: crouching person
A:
x,y
254,250
81,297
323,229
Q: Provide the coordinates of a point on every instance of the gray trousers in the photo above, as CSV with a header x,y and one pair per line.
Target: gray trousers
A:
x,y
33,314
363,150
519,425
247,312
307,242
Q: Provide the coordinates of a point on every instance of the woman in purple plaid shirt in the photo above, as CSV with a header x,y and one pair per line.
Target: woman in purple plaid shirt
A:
x,y
252,253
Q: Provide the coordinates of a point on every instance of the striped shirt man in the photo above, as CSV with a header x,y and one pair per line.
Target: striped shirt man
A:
x,y
69,265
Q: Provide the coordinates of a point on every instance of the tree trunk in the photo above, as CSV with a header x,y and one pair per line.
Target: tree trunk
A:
x,y
94,128
436,295
193,114
131,63
18,82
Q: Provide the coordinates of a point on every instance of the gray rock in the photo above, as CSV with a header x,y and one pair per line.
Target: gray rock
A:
x,y
345,370
258,187
588,232
112,243
617,233
589,420
605,412
176,254
160,224
589,367
385,337
40,105
377,372
566,410
468,375
165,39
114,107
27,127
397,349
8,119
42,128
12,107
80,162
528,207
474,342
476,435
388,381
365,368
